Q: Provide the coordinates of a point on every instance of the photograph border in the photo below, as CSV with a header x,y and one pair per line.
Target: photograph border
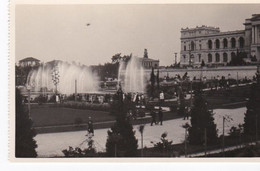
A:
x,y
12,157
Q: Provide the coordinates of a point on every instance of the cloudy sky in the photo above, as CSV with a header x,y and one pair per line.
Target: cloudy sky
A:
x,y
50,32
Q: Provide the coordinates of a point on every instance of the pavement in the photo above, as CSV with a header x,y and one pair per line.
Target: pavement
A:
x,y
52,144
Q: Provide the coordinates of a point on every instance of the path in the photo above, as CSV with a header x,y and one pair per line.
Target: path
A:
x,y
52,144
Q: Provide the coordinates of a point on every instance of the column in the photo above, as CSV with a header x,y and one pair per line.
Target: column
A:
x,y
253,34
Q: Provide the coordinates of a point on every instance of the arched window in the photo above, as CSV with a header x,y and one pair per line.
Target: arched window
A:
x,y
210,44
241,42
192,45
225,43
217,57
209,58
233,43
184,58
225,57
217,44
184,47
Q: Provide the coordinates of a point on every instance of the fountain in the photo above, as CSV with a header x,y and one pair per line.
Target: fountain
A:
x,y
131,76
41,78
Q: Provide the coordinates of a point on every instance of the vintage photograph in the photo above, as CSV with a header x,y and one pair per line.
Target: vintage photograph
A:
x,y
136,81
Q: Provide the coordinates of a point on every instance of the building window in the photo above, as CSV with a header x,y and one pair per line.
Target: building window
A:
x,y
225,43
210,44
209,58
200,46
217,57
233,56
233,43
184,58
217,44
241,42
199,55
192,45
225,57
184,47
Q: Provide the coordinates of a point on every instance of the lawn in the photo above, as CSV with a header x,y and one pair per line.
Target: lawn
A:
x,y
48,115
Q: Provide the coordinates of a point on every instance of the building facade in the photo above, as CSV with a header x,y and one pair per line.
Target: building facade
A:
x,y
147,62
211,46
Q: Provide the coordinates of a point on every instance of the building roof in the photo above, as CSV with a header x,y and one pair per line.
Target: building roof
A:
x,y
147,59
216,34
29,59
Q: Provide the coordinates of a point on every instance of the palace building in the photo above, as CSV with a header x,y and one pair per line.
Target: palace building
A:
x,y
216,48
147,62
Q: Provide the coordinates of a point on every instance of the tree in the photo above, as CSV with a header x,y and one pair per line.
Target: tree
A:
x,y
158,80
201,119
152,80
253,109
116,58
121,141
24,133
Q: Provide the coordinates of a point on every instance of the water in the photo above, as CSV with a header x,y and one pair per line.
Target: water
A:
x,y
41,78
132,76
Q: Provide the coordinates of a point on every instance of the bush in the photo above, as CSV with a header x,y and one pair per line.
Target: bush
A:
x,y
78,152
86,106
164,144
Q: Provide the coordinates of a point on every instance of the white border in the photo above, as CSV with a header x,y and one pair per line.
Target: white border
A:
x,y
122,161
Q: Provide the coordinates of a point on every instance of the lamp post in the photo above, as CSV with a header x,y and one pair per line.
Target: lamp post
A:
x,y
141,130
228,119
55,78
191,79
29,100
175,58
223,137
186,126
205,139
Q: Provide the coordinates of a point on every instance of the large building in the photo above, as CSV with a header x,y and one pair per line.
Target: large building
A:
x,y
214,47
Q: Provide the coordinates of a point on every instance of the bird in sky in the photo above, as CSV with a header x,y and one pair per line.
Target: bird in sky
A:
x,y
88,24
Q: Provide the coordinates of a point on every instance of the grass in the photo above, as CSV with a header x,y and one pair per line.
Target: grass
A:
x,y
46,115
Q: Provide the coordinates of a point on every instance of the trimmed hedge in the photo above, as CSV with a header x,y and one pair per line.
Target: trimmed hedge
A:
x,y
86,106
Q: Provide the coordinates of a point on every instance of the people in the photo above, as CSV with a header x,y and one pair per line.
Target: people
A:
x,y
186,113
161,98
90,126
160,113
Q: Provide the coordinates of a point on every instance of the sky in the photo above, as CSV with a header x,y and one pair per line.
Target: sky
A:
x,y
60,32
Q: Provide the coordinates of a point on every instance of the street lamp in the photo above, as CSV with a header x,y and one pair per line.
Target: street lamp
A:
x,y
141,130
191,79
55,78
29,99
186,126
228,119
175,58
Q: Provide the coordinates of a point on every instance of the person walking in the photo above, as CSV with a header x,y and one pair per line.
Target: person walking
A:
x,y
160,113
153,114
186,114
161,98
90,126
